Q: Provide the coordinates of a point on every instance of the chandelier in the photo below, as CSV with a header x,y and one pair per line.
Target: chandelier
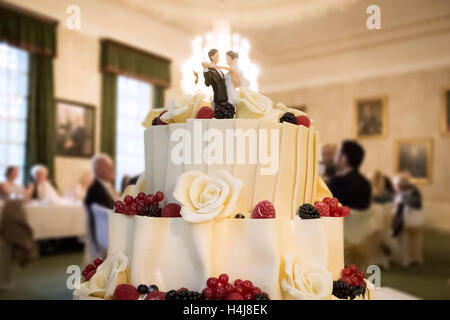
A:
x,y
221,39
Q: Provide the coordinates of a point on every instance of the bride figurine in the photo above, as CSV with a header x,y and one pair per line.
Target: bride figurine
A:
x,y
234,78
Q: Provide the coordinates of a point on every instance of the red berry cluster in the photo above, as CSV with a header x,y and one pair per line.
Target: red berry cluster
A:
x,y
221,289
90,269
329,207
353,276
264,210
303,121
132,206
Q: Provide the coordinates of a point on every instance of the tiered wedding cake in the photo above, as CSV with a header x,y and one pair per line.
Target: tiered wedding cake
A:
x,y
238,194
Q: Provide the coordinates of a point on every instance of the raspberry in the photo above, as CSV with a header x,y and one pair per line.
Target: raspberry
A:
x,y
239,289
212,282
205,113
89,268
128,200
208,293
234,296
155,295
308,211
219,293
126,292
288,117
343,211
223,279
353,280
303,121
333,204
238,283
229,288
248,296
256,291
159,196
323,209
326,200
171,210
89,275
264,210
346,273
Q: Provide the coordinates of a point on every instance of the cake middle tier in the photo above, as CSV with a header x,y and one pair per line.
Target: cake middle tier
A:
x,y
275,161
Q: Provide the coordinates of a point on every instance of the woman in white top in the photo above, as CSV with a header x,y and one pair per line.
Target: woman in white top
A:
x,y
43,188
9,189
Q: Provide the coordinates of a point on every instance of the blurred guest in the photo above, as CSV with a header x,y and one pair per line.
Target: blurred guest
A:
x,y
349,185
78,191
43,189
9,189
326,163
408,220
382,189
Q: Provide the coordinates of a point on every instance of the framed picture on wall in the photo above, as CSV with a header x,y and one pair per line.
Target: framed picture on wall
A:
x,y
371,117
415,157
75,129
446,111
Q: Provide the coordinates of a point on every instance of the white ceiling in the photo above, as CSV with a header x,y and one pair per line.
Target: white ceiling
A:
x,y
284,31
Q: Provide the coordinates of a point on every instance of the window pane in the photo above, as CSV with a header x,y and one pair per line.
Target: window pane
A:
x,y
133,103
13,106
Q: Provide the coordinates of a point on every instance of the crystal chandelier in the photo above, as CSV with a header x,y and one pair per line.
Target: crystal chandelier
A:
x,y
221,39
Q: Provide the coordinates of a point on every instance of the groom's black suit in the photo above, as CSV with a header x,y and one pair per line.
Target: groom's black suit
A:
x,y
217,81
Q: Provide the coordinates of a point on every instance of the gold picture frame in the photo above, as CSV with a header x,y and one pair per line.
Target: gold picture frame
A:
x,y
445,115
376,123
420,168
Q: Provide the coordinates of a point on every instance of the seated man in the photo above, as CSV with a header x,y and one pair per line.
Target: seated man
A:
x,y
101,191
9,189
43,189
349,185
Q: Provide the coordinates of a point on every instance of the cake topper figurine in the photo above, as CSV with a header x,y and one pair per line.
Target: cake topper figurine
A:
x,y
224,85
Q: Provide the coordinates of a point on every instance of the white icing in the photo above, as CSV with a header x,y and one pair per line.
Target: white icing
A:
x,y
160,159
120,233
310,242
334,231
302,164
171,253
173,170
222,125
149,156
310,168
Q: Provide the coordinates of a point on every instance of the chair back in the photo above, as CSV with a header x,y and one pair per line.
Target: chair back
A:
x,y
100,215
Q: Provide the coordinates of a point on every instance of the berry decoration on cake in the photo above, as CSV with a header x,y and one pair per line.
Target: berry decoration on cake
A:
x,y
329,207
239,216
288,117
222,289
126,292
151,211
142,289
351,284
303,121
155,295
323,209
183,294
205,113
308,211
224,110
264,210
171,210
91,269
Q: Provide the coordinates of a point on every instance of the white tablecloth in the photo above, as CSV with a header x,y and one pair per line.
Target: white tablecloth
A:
x,y
55,220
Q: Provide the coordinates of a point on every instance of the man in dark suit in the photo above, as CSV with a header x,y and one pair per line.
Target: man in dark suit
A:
x,y
101,191
349,185
215,78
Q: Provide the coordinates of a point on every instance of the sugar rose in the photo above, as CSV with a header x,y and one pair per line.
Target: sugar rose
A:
x,y
253,105
184,107
204,197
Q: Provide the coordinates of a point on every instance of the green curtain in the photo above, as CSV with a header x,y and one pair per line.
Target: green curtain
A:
x,y
120,59
41,126
109,114
158,97
27,32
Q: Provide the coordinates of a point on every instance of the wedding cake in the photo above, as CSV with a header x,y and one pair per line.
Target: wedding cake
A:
x,y
230,206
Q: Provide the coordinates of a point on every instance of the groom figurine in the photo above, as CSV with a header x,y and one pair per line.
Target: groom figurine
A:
x,y
215,78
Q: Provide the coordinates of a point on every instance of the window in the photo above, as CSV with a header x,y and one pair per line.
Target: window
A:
x,y
13,107
133,102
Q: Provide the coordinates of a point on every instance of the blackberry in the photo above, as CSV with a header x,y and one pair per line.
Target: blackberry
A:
x,y
261,296
155,122
142,289
341,289
308,211
356,291
171,295
224,110
239,216
288,117
151,211
153,287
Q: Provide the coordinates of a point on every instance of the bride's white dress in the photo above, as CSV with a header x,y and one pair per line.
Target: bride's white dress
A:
x,y
232,92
